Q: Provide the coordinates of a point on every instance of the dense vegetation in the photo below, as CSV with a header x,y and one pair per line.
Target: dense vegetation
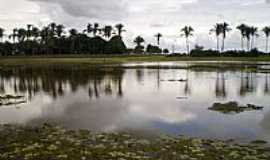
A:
x,y
95,39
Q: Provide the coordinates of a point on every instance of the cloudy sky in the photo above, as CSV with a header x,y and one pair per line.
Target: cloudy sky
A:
x,y
142,17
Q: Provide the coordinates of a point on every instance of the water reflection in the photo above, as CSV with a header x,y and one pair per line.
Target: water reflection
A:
x,y
141,100
248,83
57,81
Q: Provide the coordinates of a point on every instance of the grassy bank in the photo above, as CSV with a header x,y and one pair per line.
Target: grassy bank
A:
x,y
108,59
49,142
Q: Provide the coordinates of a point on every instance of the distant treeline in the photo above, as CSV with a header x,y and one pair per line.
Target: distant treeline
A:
x,y
95,39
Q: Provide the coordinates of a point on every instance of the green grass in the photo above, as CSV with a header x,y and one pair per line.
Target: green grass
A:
x,y
116,59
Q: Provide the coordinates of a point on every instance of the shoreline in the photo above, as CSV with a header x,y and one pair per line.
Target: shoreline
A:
x,y
53,142
116,59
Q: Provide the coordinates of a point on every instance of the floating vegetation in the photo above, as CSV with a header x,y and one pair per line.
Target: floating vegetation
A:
x,y
234,107
175,80
51,142
8,100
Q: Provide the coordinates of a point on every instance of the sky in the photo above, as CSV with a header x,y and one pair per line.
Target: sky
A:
x,y
143,17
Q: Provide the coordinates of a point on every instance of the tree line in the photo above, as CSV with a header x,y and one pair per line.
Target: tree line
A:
x,y
56,39
96,39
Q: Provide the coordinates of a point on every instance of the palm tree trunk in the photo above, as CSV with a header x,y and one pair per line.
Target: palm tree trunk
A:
x,y
187,43
223,44
218,43
248,44
252,42
267,39
242,43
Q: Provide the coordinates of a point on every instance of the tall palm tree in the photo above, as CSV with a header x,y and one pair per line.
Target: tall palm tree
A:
x,y
187,32
120,29
248,37
242,28
96,29
73,36
158,36
139,40
254,34
266,31
1,34
29,31
217,30
225,28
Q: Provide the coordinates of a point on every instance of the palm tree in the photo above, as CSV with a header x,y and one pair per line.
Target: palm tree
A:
x,y
96,29
225,28
217,30
254,34
248,36
89,29
52,27
35,32
139,40
29,32
266,31
1,34
187,32
59,30
107,31
120,29
22,34
242,28
14,35
73,36
158,36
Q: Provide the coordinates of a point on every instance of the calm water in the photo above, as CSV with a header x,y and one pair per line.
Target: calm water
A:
x,y
143,100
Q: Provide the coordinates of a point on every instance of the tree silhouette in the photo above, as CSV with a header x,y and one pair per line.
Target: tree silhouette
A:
x,y
107,31
96,29
158,36
248,37
254,34
1,34
139,40
225,28
60,30
89,29
119,28
187,32
139,48
266,31
242,28
218,31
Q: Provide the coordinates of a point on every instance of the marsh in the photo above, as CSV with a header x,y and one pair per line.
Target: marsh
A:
x,y
146,99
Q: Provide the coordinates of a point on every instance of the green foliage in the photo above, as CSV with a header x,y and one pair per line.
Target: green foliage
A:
x,y
153,49
115,46
139,49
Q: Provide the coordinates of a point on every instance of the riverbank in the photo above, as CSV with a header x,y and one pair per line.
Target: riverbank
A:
x,y
51,142
116,59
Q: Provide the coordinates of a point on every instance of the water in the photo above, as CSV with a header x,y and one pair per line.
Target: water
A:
x,y
147,100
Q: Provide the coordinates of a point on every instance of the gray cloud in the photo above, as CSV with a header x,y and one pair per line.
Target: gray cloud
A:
x,y
101,9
